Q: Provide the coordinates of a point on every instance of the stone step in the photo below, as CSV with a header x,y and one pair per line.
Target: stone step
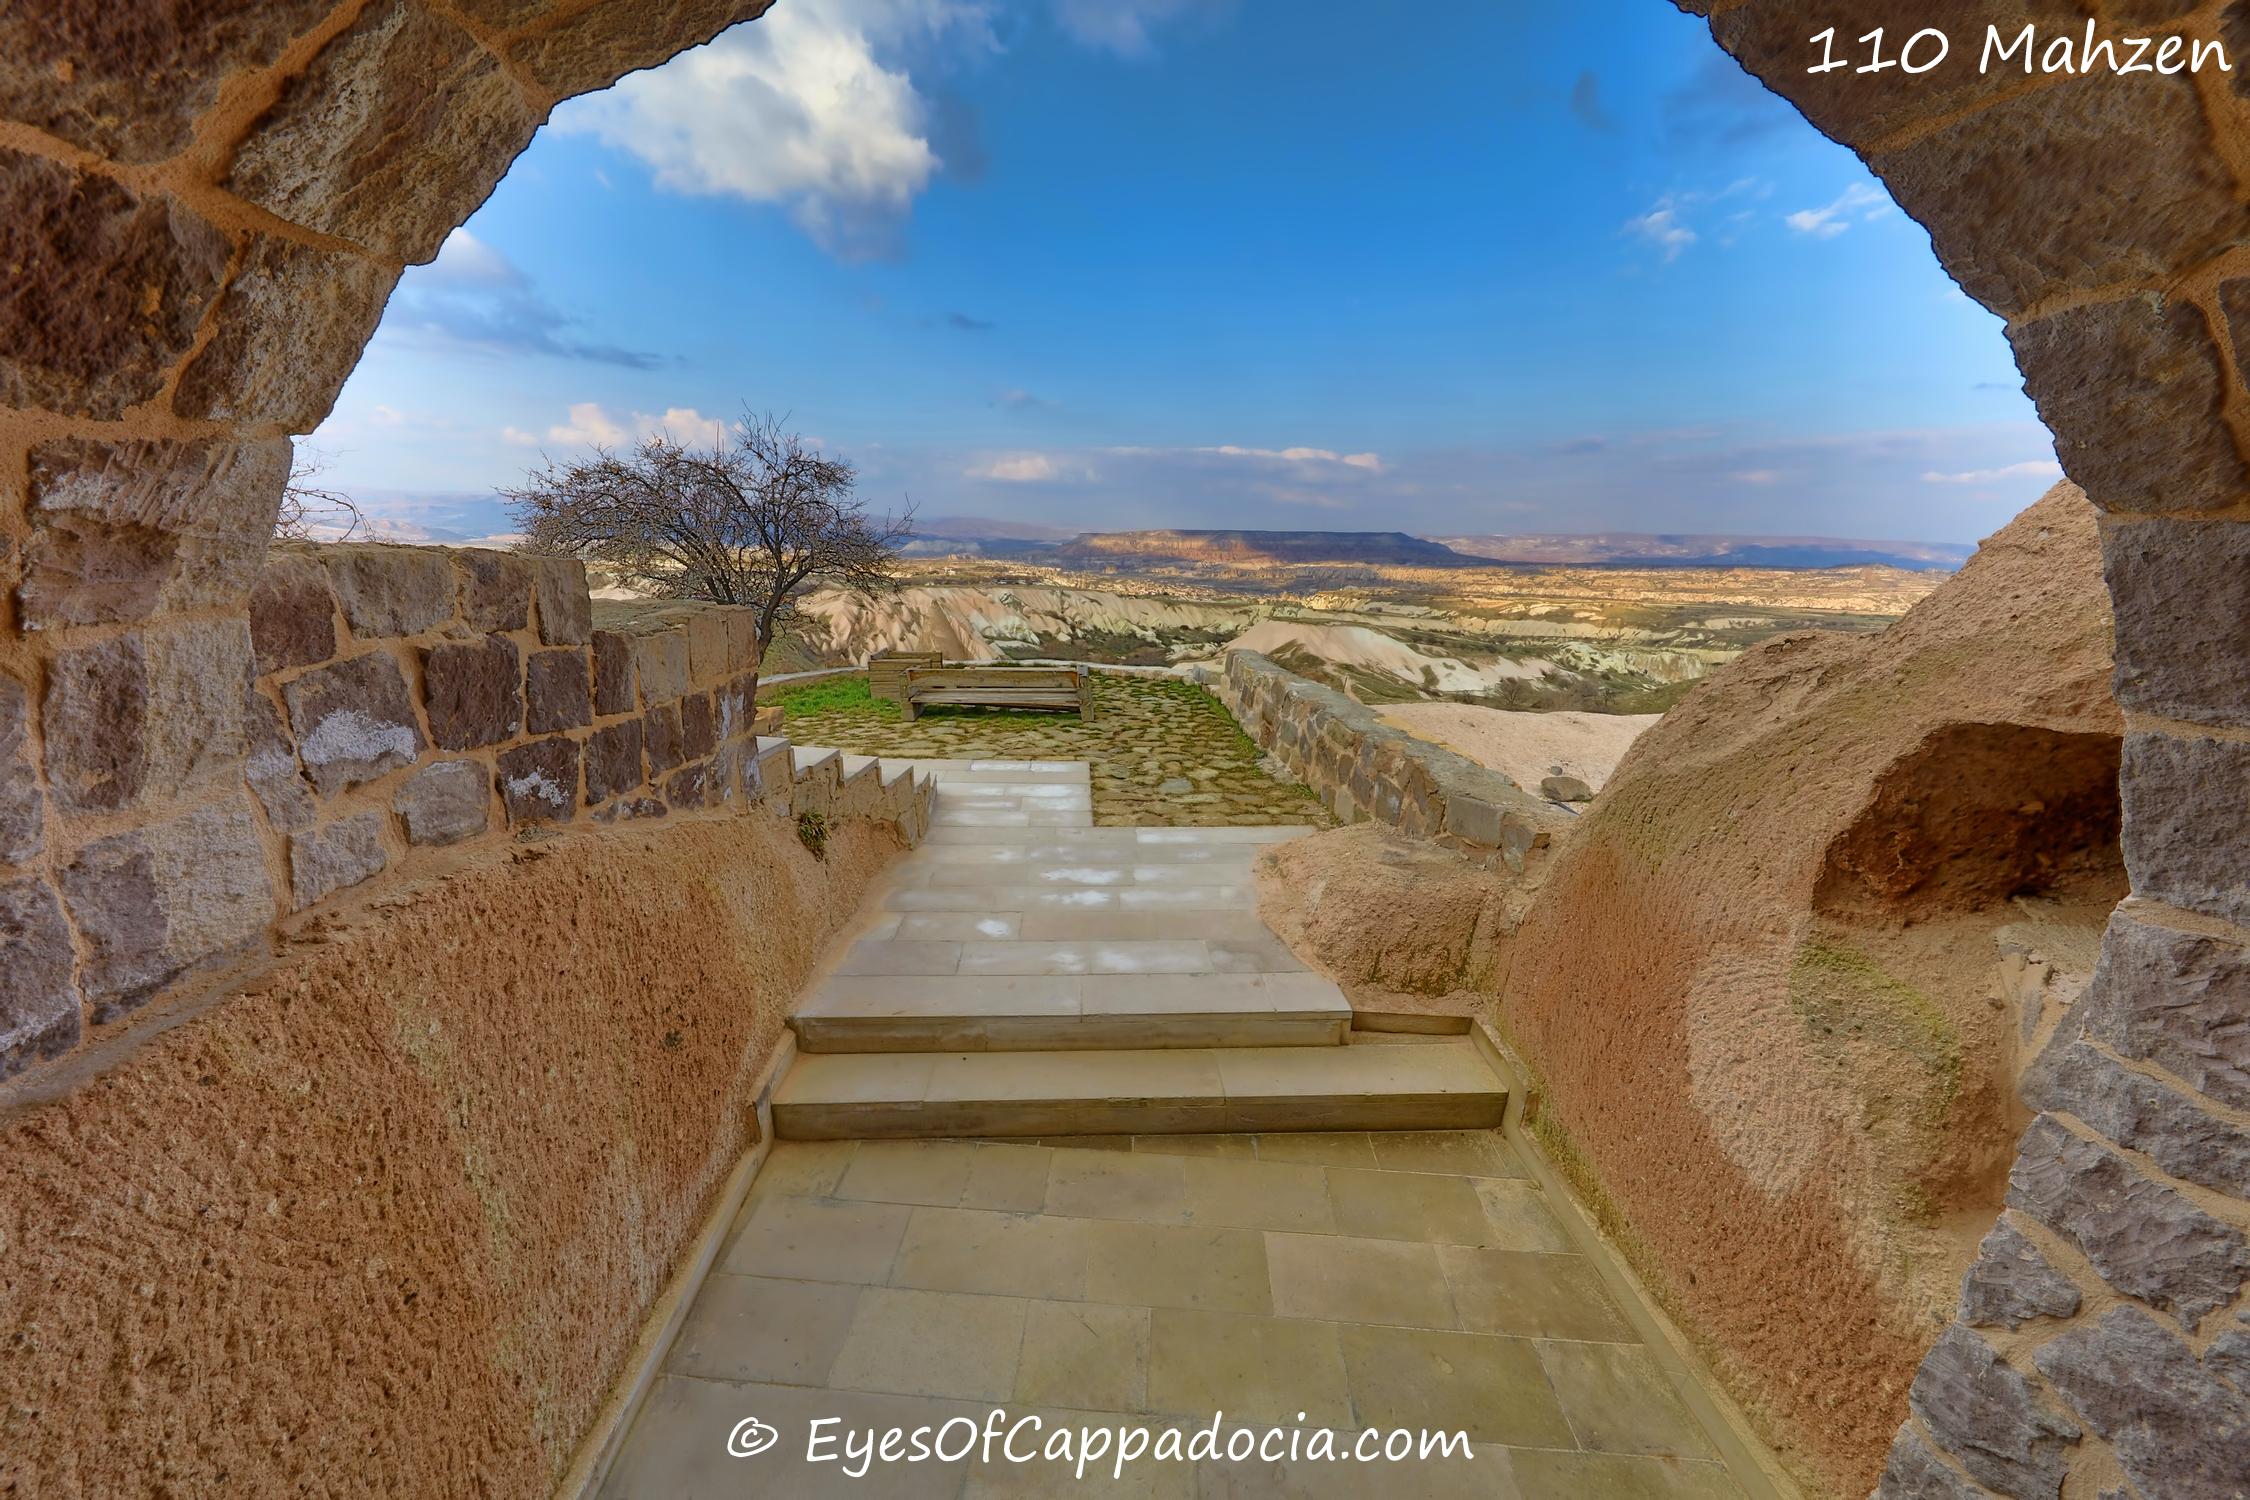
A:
x,y
1029,1013
1119,838
806,759
1443,1086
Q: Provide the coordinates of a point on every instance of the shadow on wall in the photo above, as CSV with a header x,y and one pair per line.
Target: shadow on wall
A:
x,y
1976,814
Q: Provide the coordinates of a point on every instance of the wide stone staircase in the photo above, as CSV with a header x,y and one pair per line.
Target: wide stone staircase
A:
x,y
1025,973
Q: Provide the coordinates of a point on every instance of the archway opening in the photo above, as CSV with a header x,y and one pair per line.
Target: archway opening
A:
x,y
203,262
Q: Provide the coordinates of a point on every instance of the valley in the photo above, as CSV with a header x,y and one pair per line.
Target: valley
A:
x,y
1383,618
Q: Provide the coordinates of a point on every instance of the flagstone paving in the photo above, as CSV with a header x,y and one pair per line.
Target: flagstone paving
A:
x,y
1022,973
1310,1286
1160,751
1340,1282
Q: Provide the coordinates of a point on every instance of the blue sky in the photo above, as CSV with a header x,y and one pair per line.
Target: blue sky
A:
x,y
1111,263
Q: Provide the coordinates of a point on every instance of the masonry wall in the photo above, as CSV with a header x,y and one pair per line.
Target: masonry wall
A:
x,y
1365,770
209,204
380,703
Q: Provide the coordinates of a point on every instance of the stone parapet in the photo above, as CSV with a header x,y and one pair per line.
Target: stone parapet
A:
x,y
1365,770
207,782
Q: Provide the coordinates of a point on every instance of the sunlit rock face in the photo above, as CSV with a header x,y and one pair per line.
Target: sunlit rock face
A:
x,y
1759,982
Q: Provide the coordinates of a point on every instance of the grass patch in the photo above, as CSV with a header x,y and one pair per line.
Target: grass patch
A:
x,y
1147,734
832,695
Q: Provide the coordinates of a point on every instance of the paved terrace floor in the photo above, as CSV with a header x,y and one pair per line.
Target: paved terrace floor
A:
x,y
1159,751
1342,1281
1345,1282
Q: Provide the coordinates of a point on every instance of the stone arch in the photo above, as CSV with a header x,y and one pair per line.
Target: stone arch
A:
x,y
209,202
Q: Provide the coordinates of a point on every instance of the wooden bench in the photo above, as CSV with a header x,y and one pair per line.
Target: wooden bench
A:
x,y
886,671
999,687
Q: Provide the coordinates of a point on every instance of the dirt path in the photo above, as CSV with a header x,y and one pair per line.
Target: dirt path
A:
x,y
1526,746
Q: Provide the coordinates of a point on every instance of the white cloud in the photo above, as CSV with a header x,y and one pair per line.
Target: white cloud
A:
x,y
1662,227
472,297
588,424
798,108
1859,201
517,437
2038,468
1667,224
1756,476
466,261
1119,26
1016,468
1371,462
592,426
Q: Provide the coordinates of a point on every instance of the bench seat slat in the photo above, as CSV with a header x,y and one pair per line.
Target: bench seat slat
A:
x,y
998,687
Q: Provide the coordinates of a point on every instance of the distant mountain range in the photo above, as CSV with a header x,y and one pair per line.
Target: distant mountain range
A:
x,y
1253,548
1238,549
988,528
980,536
406,516
1625,549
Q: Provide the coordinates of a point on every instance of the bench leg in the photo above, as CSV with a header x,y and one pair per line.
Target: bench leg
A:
x,y
906,707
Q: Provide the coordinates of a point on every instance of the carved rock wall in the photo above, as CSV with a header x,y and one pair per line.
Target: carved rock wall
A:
x,y
2106,218
389,1220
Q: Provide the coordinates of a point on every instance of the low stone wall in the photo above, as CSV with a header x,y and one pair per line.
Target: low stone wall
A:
x,y
209,783
1366,770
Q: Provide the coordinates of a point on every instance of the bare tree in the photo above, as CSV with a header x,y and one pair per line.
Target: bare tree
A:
x,y
308,511
757,520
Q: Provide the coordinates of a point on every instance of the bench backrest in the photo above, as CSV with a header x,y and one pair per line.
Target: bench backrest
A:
x,y
955,679
886,671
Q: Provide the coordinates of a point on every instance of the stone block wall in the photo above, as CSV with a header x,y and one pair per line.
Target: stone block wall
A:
x,y
1364,769
209,782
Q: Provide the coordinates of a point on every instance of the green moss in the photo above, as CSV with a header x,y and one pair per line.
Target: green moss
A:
x,y
1579,1172
1840,996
